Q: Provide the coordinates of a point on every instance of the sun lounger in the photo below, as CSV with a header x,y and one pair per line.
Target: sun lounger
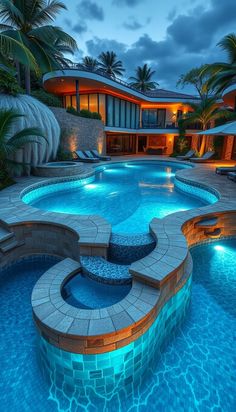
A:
x,y
187,156
101,157
225,170
232,176
207,157
82,158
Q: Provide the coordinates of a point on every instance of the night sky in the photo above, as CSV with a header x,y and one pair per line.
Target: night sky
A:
x,y
171,36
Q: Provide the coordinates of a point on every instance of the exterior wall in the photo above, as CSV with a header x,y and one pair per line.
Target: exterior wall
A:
x,y
79,132
228,147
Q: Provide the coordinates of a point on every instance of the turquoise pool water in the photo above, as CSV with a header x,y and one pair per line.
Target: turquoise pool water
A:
x,y
85,293
128,195
194,370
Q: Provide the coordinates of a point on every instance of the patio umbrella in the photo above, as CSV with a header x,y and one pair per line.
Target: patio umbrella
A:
x,y
224,129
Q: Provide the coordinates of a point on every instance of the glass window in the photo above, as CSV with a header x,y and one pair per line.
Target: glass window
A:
x,y
83,102
128,113
93,103
137,116
161,118
117,112
102,107
152,117
73,101
122,113
133,116
144,117
110,111
68,101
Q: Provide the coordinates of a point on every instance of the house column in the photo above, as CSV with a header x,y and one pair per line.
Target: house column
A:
x,y
77,95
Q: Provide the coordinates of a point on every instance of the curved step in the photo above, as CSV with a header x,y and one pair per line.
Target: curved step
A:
x,y
128,249
103,271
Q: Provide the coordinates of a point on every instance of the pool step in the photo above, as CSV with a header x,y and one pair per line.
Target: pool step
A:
x,y
103,271
128,249
7,239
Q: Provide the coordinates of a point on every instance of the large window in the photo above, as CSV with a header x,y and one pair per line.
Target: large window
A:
x,y
153,118
115,112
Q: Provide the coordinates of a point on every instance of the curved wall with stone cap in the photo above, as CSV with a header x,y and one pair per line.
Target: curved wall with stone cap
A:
x,y
36,114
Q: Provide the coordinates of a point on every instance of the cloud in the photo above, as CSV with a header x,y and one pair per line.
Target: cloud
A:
x,y
190,41
90,10
80,27
133,24
129,3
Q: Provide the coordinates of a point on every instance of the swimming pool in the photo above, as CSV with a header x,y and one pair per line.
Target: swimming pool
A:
x,y
128,195
194,370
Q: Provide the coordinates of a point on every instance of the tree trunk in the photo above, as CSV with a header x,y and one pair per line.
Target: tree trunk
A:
x,y
203,144
27,80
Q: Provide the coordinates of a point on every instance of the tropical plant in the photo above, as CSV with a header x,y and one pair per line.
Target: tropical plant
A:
x,y
223,74
47,98
143,79
89,63
204,112
108,62
9,144
198,78
29,21
84,113
8,83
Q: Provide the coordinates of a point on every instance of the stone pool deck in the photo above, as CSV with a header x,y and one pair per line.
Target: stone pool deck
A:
x,y
160,274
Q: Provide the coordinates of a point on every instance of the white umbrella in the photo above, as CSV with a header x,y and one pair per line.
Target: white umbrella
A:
x,y
224,129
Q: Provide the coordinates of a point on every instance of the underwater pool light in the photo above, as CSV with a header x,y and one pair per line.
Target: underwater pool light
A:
x,y
219,248
90,186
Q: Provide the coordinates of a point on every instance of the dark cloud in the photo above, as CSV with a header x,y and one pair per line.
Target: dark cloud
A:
x,y
80,27
90,10
190,41
133,24
129,3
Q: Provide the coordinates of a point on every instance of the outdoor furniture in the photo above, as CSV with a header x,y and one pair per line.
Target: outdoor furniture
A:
x,y
207,157
187,156
225,170
232,176
89,154
101,157
80,156
157,150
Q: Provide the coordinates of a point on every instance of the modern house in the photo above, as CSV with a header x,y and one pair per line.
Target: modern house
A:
x,y
134,121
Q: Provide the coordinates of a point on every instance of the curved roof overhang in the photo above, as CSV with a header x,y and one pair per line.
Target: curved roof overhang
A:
x,y
229,95
62,82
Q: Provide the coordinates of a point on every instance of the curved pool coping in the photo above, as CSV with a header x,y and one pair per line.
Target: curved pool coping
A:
x,y
165,269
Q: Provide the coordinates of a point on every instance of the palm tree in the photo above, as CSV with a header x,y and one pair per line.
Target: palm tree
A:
x,y
108,62
198,78
10,144
143,81
89,63
204,112
224,74
30,20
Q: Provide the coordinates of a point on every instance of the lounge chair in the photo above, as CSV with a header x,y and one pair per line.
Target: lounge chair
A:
x,y
187,156
207,157
101,157
232,176
225,170
89,154
80,156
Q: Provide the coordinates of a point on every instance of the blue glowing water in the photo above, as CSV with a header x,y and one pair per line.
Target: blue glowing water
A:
x,y
87,293
196,370
128,195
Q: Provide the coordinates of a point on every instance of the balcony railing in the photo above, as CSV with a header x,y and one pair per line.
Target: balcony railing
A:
x,y
174,126
102,73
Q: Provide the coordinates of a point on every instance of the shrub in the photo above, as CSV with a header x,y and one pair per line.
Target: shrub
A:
x,y
47,98
8,84
84,113
62,155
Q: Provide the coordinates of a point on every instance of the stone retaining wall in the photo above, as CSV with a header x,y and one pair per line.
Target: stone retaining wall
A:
x,y
79,132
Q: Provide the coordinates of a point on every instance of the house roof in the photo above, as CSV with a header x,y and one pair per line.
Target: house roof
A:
x,y
162,93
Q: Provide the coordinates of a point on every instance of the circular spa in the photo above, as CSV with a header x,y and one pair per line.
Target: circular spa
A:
x,y
58,169
128,195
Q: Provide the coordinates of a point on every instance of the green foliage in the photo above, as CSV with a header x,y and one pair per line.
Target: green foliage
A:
x,y
8,84
143,79
107,61
198,78
9,144
47,98
84,113
62,155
